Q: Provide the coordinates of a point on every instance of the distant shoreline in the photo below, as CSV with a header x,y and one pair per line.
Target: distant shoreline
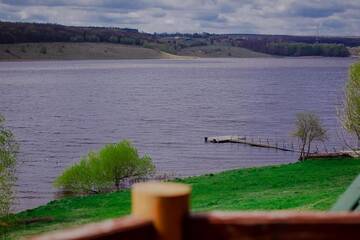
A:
x,y
111,51
79,51
59,51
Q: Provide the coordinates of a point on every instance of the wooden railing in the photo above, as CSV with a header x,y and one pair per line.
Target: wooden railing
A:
x,y
160,211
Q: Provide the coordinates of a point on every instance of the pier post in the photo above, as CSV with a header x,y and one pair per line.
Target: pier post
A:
x,y
165,204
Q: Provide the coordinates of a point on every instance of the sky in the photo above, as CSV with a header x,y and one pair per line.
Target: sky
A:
x,y
295,17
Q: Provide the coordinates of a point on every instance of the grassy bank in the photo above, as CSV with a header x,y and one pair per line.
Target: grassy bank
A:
x,y
310,185
87,50
218,51
78,51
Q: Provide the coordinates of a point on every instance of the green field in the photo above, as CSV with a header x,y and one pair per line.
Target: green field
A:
x,y
309,185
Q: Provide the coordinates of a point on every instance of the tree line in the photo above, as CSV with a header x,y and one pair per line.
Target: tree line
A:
x,y
281,45
305,49
297,49
35,32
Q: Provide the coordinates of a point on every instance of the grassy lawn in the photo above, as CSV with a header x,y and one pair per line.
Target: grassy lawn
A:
x,y
309,185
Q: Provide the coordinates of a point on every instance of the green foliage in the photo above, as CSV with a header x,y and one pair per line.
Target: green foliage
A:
x,y
305,49
8,149
113,39
105,170
304,186
127,41
351,111
308,129
122,161
43,50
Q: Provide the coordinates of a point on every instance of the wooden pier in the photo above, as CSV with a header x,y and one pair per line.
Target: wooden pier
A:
x,y
281,147
245,141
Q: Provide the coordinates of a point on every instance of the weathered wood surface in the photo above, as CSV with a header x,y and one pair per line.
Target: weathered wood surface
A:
x,y
165,204
266,144
328,155
243,140
224,139
274,225
353,154
123,228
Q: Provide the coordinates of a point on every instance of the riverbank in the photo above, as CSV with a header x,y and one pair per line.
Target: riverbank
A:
x,y
309,185
111,51
78,51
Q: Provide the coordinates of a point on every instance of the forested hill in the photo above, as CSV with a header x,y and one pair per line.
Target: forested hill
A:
x,y
37,32
282,45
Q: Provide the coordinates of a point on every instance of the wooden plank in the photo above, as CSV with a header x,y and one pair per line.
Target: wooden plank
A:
x,y
349,200
224,139
124,228
353,154
242,140
273,225
328,155
165,204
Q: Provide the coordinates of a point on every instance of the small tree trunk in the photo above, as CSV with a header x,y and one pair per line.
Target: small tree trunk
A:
x,y
117,184
308,149
302,151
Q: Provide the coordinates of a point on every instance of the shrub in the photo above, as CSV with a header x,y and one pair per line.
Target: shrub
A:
x,y
43,50
8,149
105,170
351,109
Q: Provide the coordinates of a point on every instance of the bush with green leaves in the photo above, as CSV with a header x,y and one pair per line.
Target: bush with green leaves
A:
x,y
351,107
8,150
105,170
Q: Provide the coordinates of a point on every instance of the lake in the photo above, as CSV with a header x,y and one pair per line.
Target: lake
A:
x,y
60,110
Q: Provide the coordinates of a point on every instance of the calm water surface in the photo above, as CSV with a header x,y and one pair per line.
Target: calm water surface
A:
x,y
59,110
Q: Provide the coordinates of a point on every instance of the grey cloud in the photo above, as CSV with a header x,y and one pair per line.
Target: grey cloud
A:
x,y
333,24
206,16
317,11
238,16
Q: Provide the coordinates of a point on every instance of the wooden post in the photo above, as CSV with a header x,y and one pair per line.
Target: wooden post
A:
x,y
165,204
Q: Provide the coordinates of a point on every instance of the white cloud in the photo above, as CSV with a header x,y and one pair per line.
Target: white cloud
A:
x,y
336,17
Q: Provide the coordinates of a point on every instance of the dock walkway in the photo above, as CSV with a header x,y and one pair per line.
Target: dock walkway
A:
x,y
245,141
284,147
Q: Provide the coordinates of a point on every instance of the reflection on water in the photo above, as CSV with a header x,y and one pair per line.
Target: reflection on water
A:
x,y
61,110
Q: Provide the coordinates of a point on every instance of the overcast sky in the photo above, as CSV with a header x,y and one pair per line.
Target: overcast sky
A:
x,y
301,17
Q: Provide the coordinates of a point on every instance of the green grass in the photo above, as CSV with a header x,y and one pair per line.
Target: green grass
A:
x,y
309,185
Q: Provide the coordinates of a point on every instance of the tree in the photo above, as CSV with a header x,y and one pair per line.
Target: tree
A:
x,y
8,150
121,161
308,130
351,111
105,170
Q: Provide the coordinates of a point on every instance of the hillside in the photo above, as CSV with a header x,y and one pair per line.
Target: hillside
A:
x,y
196,44
74,51
309,185
214,51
